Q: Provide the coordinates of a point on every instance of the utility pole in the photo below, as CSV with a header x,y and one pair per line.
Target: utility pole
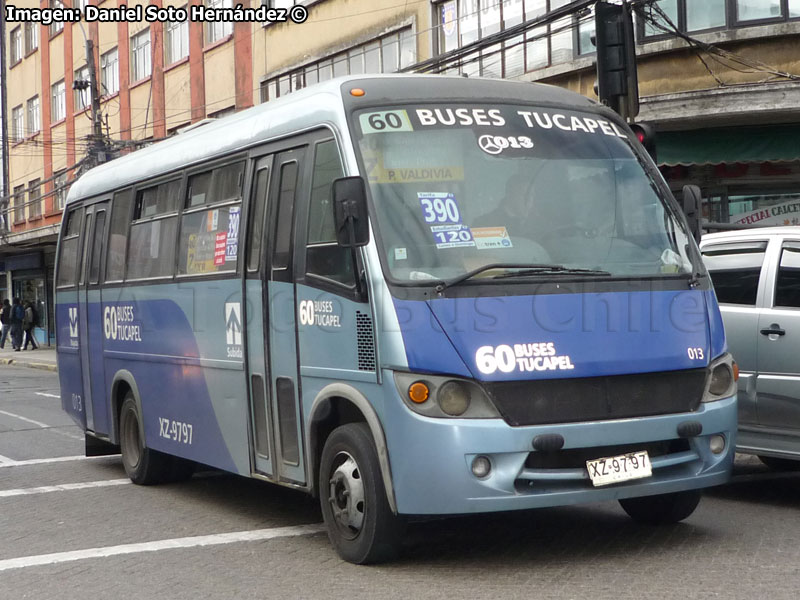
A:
x,y
98,144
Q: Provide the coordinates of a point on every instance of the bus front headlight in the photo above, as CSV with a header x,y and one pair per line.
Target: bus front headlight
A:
x,y
447,397
721,378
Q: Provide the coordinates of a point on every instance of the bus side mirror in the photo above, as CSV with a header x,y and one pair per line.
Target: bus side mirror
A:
x,y
350,212
691,207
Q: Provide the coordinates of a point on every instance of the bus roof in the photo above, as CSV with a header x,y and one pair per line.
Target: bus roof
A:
x,y
315,105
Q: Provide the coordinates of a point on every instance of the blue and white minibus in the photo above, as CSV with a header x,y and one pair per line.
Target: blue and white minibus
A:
x,y
406,295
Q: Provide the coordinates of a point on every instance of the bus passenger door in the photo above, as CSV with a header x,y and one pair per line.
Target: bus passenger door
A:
x,y
90,319
255,317
286,187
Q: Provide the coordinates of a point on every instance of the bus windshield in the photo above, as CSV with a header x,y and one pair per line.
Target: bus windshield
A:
x,y
459,187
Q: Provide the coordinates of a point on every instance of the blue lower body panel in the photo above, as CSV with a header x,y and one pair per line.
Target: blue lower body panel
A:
x,y
431,459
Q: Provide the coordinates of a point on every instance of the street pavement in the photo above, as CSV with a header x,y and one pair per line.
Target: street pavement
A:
x,y
72,528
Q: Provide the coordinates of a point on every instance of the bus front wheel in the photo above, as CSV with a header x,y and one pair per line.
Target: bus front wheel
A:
x,y
143,465
360,524
662,509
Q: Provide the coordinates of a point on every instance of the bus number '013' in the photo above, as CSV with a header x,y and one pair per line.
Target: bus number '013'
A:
x,y
175,430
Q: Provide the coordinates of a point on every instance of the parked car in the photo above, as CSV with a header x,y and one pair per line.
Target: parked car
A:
x,y
756,276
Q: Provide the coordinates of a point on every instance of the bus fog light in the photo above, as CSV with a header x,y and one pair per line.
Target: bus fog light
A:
x,y
717,444
453,398
481,467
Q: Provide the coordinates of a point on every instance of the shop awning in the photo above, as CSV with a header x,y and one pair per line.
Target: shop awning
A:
x,y
728,145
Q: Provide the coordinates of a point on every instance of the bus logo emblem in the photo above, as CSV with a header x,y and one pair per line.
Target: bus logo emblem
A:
x,y
73,322
233,323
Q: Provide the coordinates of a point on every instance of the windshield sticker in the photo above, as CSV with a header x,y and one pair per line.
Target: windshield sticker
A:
x,y
452,236
491,238
391,121
439,207
232,242
495,144
400,254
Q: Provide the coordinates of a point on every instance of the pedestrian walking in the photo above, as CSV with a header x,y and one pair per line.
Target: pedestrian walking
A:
x,y
5,322
28,323
17,315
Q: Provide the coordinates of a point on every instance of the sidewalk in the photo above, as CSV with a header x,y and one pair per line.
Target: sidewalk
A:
x,y
43,358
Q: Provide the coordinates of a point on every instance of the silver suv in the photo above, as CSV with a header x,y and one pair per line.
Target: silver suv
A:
x,y
756,275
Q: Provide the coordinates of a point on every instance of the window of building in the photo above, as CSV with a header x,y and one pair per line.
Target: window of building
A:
x,y
58,107
735,270
82,4
68,261
586,29
787,288
324,257
17,124
176,45
60,188
155,225
34,118
109,72
15,45
209,239
386,54
82,97
19,203
215,31
34,199
31,36
141,61
699,15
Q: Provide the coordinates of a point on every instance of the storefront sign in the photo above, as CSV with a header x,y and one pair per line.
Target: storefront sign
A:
x,y
786,213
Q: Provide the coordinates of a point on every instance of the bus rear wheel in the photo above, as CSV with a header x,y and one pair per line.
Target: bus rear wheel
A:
x,y
360,524
662,509
143,465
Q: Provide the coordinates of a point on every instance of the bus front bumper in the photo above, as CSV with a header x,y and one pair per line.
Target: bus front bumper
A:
x,y
431,459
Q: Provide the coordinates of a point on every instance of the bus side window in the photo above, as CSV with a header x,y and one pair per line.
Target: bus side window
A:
x,y
152,243
97,247
324,257
68,261
209,238
118,236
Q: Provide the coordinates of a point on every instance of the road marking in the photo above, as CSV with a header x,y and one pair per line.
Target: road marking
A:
x,y
255,535
41,425
10,462
46,489
48,395
26,419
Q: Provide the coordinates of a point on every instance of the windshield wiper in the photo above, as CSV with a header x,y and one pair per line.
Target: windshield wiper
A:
x,y
526,269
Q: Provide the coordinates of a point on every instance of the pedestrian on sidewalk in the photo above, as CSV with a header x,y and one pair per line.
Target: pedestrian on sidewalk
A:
x,y
5,322
28,323
17,315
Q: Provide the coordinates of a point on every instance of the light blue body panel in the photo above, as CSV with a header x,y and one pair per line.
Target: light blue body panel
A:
x,y
432,458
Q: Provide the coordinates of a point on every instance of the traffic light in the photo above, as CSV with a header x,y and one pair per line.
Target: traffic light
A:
x,y
646,134
617,83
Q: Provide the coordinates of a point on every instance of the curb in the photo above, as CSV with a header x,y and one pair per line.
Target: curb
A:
x,y
32,365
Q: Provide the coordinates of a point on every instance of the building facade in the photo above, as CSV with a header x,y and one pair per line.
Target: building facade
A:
x,y
718,79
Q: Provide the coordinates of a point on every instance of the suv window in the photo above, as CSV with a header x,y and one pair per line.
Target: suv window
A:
x,y
787,288
735,269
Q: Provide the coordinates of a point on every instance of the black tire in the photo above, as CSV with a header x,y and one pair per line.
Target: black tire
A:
x,y
662,509
780,464
143,465
363,530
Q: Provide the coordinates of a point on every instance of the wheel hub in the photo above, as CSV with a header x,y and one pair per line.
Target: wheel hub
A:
x,y
346,496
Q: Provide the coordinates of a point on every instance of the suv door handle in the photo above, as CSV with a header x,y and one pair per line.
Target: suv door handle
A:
x,y
773,329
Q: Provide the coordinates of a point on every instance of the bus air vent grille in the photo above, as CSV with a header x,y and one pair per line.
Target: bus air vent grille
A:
x,y
597,398
366,342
